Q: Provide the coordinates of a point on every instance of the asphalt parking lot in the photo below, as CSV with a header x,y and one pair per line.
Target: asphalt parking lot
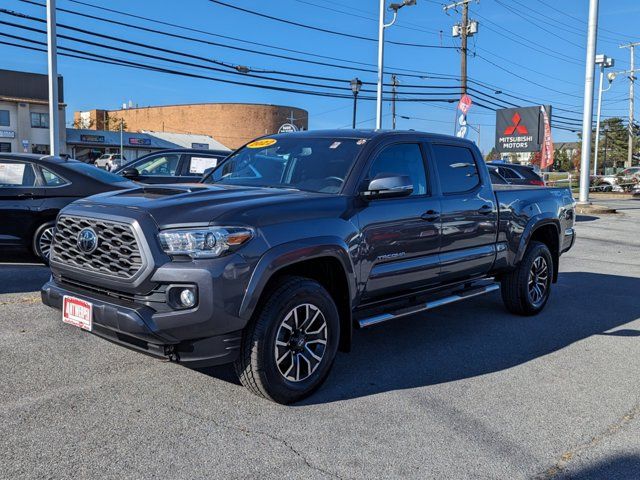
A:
x,y
467,391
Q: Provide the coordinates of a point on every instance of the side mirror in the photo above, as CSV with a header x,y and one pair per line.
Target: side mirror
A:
x,y
389,185
130,172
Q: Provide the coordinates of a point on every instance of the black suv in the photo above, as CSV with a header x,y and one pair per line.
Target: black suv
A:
x,y
172,166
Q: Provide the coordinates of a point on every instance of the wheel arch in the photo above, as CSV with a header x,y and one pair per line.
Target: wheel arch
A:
x,y
547,231
325,260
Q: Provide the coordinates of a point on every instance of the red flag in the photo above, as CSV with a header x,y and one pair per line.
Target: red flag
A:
x,y
546,159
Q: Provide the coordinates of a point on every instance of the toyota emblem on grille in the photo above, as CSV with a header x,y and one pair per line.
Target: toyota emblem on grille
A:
x,y
87,240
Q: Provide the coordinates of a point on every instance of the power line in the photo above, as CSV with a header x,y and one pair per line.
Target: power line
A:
x,y
323,30
415,74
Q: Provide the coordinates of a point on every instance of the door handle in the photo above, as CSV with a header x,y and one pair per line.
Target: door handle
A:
x,y
430,216
25,195
485,209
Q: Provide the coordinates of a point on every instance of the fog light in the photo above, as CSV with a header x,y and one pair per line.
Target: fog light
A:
x,y
187,298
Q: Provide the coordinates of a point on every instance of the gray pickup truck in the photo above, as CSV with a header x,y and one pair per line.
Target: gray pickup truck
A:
x,y
296,240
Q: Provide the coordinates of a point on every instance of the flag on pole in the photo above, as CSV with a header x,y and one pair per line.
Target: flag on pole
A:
x,y
546,154
461,116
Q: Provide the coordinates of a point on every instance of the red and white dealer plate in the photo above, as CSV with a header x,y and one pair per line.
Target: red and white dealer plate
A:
x,y
77,312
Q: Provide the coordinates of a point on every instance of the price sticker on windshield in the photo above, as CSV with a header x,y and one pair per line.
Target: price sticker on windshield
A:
x,y
265,142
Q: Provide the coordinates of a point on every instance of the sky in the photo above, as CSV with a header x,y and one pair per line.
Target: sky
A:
x,y
530,51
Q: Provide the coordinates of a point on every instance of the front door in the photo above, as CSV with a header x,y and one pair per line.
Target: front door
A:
x,y
469,213
401,236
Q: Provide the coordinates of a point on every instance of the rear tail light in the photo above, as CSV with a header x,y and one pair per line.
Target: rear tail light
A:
x,y
536,182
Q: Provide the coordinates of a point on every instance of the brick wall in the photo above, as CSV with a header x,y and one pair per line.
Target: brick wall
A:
x,y
231,124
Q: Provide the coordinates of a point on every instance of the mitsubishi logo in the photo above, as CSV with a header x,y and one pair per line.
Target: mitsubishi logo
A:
x,y
87,240
511,129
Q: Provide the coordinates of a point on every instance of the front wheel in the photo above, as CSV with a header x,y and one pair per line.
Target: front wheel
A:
x,y
289,347
525,290
42,240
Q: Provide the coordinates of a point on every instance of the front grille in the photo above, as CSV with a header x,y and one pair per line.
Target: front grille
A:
x,y
117,255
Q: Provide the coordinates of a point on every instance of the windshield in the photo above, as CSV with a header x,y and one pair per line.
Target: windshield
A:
x,y
96,173
304,163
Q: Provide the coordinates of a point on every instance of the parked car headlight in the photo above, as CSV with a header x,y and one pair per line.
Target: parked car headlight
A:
x,y
207,242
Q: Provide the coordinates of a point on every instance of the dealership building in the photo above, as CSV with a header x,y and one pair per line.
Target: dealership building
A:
x,y
231,124
86,144
24,113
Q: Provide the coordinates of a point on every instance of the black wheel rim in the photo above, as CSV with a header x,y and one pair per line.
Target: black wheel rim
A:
x,y
538,280
45,241
301,342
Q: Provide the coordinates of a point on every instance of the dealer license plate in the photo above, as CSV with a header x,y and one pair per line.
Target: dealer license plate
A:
x,y
76,312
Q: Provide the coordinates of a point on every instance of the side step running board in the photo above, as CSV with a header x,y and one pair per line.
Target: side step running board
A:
x,y
463,295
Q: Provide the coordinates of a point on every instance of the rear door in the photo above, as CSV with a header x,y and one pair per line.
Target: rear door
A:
x,y
401,236
469,212
20,199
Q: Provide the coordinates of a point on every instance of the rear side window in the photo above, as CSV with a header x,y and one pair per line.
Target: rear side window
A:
x,y
529,173
402,159
508,173
457,168
16,174
197,164
51,179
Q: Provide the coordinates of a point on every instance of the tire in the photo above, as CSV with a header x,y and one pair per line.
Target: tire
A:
x,y
42,241
270,363
526,290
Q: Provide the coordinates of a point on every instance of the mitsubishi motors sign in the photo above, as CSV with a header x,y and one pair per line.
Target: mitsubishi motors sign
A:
x,y
520,129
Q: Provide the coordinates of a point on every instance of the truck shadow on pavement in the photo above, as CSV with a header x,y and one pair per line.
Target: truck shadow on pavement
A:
x,y
21,272
478,337
621,467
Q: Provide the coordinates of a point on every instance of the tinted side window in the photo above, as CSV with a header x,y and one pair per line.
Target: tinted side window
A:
x,y
508,173
160,165
457,168
16,174
402,159
51,179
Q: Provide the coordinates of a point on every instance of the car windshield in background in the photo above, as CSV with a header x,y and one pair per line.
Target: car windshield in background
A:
x,y
303,163
96,173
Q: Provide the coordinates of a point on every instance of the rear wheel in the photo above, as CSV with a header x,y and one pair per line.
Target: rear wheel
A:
x,y
289,348
42,240
525,291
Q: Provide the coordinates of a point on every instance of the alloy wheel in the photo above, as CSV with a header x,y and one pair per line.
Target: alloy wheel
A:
x,y
301,342
45,240
538,280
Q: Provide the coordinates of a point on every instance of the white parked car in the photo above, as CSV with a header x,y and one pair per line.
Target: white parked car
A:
x,y
110,161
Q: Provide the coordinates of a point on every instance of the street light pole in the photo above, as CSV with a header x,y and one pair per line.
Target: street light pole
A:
x,y
52,64
604,62
587,111
381,26
356,84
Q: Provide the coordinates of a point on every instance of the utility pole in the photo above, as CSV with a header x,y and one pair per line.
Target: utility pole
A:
x,y
632,79
394,84
52,63
464,30
587,109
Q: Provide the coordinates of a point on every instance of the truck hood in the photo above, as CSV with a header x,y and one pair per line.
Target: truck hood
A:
x,y
194,204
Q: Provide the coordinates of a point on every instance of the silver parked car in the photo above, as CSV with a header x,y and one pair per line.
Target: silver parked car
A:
x,y
110,161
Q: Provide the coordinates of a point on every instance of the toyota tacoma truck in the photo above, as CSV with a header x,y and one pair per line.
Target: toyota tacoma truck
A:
x,y
295,241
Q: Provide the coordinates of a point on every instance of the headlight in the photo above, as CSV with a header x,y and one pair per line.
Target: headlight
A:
x,y
204,242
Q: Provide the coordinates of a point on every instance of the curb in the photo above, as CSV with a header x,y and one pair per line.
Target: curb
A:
x,y
595,210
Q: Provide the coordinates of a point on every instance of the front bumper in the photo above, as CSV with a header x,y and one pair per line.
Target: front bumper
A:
x,y
140,328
